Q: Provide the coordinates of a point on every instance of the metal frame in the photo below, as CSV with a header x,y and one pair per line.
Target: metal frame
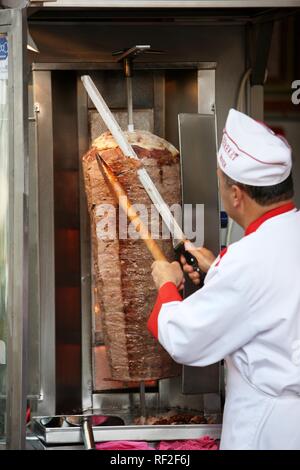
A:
x,y
34,345
94,66
85,254
43,104
206,91
18,242
166,3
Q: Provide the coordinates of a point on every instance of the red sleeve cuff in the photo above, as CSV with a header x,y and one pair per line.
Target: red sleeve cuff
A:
x,y
167,293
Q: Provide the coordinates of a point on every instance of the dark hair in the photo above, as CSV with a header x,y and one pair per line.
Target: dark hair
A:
x,y
267,195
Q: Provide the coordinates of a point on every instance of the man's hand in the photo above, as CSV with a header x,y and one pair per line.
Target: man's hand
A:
x,y
204,257
163,272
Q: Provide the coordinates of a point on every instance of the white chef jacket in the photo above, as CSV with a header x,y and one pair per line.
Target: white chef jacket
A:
x,y
248,312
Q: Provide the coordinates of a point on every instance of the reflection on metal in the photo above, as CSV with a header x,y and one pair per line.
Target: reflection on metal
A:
x,y
2,352
17,328
5,228
42,87
85,422
14,3
56,430
34,326
143,400
167,3
199,185
85,253
93,66
31,45
206,91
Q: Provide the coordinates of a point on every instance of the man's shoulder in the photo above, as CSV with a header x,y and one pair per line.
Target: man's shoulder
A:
x,y
242,251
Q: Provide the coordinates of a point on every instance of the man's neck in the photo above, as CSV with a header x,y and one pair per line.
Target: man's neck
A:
x,y
255,211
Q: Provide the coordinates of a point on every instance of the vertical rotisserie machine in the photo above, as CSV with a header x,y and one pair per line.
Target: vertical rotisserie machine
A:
x,y
182,94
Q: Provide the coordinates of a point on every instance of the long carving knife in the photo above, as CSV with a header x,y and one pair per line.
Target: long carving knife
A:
x,y
175,230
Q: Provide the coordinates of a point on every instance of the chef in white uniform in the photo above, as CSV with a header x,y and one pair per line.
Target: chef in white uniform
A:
x,y
248,310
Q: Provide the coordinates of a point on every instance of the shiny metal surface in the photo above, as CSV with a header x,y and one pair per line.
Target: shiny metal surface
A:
x,y
34,325
87,434
198,150
143,400
85,254
17,339
42,96
206,91
113,66
68,434
167,3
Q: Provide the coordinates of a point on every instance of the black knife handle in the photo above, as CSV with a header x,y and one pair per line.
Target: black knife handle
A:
x,y
190,259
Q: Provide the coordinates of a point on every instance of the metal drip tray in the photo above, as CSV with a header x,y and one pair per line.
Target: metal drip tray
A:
x,y
60,430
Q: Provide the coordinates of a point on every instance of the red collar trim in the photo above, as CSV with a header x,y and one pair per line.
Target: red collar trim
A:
x,y
268,215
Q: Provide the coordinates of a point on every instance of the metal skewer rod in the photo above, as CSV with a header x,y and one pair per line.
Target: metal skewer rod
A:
x,y
143,402
127,65
129,103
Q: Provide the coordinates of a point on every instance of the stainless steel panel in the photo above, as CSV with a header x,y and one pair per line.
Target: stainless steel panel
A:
x,y
199,186
85,253
34,326
112,85
170,395
142,118
138,433
206,91
168,3
95,66
5,233
43,100
18,243
6,19
118,402
181,95
68,435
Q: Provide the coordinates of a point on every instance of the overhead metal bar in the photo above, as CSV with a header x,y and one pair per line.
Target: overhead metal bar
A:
x,y
116,66
166,3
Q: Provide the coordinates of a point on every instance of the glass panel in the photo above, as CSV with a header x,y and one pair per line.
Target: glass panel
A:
x,y
4,158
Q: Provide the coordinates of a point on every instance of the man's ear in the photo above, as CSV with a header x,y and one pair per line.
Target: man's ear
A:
x,y
236,196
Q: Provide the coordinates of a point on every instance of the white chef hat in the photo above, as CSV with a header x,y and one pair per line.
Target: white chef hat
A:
x,y
251,153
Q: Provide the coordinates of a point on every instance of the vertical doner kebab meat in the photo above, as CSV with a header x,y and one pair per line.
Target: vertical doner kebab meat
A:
x,y
124,286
